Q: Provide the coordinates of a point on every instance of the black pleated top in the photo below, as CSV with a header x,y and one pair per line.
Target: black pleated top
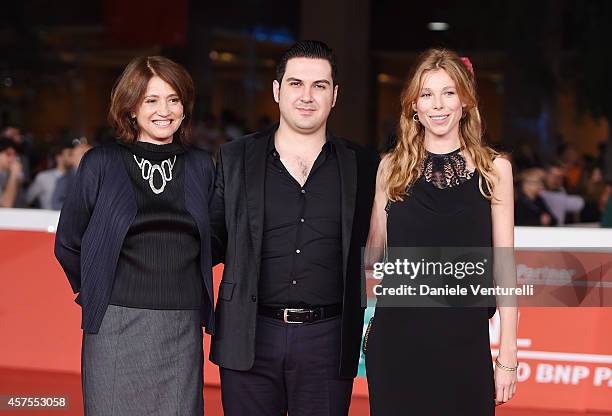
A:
x,y
159,265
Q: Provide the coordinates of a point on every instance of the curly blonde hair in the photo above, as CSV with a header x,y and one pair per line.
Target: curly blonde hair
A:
x,y
403,164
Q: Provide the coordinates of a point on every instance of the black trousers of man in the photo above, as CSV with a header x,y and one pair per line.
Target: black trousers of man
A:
x,y
295,371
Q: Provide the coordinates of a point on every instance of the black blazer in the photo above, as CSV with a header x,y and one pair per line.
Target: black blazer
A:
x,y
97,215
237,216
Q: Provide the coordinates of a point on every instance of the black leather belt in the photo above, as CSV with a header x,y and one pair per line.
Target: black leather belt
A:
x,y
301,315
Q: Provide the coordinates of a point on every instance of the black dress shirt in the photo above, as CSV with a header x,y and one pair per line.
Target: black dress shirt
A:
x,y
301,256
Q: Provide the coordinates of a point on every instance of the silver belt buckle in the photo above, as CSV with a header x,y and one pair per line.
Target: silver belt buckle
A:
x,y
286,311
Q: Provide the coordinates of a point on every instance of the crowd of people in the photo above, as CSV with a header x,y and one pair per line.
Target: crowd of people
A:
x,y
40,176
572,188
30,181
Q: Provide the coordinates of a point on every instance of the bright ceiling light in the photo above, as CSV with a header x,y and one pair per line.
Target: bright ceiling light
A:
x,y
438,26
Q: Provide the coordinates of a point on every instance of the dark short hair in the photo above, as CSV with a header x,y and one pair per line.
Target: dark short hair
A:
x,y
6,143
553,164
130,88
58,149
307,49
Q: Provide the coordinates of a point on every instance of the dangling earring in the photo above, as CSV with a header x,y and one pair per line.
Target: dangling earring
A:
x,y
415,117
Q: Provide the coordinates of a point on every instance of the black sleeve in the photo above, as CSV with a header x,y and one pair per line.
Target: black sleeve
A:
x,y
74,219
218,229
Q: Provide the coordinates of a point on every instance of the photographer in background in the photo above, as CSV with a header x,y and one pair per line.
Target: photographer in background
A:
x,y
11,174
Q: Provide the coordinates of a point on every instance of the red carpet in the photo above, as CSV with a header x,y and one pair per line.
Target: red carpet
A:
x,y
33,383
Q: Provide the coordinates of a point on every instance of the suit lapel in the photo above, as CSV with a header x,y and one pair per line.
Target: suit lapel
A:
x,y
347,163
255,175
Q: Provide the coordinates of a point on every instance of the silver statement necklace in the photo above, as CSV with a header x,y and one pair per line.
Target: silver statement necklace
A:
x,y
148,169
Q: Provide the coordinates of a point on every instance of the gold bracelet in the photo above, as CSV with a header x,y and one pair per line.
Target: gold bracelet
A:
x,y
503,367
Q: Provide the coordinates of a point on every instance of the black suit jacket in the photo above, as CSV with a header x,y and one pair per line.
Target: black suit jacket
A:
x,y
237,218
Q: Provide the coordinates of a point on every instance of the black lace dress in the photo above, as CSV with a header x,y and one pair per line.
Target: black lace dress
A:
x,y
434,361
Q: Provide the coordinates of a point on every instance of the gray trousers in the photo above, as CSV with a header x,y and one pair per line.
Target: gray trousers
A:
x,y
144,362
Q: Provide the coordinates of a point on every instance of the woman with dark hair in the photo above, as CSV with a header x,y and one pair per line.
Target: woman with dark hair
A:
x,y
440,186
133,239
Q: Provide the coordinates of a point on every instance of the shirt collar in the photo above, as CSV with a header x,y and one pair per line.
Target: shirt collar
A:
x,y
327,146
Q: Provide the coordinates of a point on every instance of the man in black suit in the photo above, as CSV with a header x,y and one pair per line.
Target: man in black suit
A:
x,y
289,216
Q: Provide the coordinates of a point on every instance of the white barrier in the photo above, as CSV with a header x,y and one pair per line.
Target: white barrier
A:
x,y
526,237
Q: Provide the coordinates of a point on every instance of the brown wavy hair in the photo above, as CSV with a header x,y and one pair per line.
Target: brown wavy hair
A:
x,y
402,165
129,90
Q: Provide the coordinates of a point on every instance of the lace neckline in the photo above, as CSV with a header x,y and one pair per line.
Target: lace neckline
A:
x,y
445,170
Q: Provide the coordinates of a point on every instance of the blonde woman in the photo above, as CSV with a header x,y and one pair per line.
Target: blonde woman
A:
x,y
440,187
